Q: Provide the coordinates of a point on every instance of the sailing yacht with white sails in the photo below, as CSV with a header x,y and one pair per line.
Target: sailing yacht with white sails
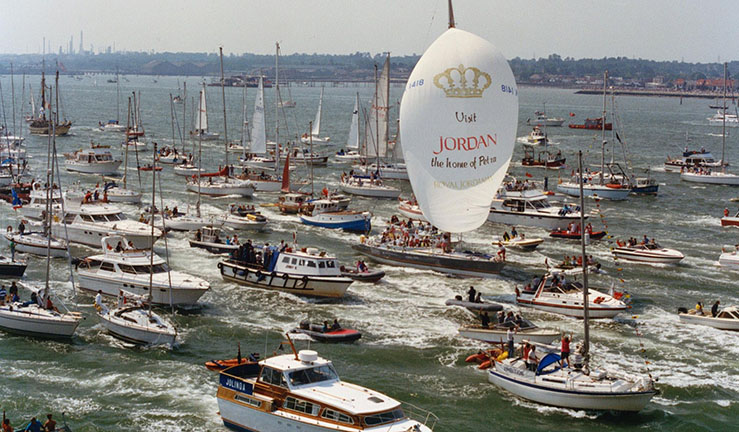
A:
x,y
200,130
315,133
352,143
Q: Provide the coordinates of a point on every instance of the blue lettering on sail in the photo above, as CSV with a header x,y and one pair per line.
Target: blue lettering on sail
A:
x,y
237,385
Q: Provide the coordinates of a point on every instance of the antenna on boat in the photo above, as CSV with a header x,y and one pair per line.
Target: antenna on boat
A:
x,y
451,15
292,346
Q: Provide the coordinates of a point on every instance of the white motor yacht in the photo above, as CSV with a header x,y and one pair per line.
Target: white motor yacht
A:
x,y
121,268
243,218
651,253
520,204
306,272
36,208
719,177
566,298
88,223
302,391
95,160
692,159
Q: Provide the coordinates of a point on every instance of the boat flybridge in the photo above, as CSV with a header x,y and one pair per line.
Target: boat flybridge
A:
x,y
302,391
121,268
522,204
36,208
87,223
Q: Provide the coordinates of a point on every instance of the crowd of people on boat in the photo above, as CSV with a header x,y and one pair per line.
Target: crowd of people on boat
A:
x,y
574,261
250,253
574,228
94,196
407,234
373,178
633,241
10,296
34,425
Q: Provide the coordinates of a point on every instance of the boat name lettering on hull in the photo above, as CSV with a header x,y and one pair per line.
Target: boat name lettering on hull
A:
x,y
466,143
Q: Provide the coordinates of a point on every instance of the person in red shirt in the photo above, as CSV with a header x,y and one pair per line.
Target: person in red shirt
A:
x,y
565,355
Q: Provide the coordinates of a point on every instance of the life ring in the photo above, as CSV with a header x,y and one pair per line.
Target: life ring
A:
x,y
614,185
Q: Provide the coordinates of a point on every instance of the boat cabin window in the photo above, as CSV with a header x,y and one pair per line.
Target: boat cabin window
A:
x,y
69,218
321,264
301,406
107,266
384,417
87,218
312,375
330,264
99,218
272,376
301,262
158,268
311,264
336,416
125,268
295,261
116,217
90,264
286,260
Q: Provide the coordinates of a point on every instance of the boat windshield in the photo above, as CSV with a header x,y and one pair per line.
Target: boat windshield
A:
x,y
144,269
384,417
312,375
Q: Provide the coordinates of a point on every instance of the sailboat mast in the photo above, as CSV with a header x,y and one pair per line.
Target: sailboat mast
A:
x,y
451,15
153,202
125,153
171,117
723,132
244,125
603,129
43,95
377,122
277,107
200,152
586,307
117,97
184,118
310,140
225,120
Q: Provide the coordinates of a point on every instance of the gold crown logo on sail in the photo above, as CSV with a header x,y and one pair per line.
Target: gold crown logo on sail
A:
x,y
462,82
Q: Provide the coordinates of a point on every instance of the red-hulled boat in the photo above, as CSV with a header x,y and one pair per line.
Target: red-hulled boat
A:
x,y
594,123
594,235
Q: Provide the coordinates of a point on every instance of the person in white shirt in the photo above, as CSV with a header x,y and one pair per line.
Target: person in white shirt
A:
x,y
99,305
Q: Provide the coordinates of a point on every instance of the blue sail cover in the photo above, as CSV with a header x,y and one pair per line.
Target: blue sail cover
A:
x,y
546,361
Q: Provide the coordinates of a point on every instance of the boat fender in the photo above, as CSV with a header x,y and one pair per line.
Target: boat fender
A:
x,y
598,300
502,356
285,276
477,358
613,185
305,281
220,266
485,365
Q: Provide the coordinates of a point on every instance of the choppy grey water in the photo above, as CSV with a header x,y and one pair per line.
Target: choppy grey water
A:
x,y
410,348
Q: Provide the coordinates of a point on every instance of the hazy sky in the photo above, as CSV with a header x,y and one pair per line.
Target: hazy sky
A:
x,y
696,31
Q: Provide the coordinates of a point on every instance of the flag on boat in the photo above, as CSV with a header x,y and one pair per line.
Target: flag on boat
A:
x,y
572,114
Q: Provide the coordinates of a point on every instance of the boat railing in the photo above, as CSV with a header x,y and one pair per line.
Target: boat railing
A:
x,y
421,415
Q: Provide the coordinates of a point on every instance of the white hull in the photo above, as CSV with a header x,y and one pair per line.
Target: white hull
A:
x,y
37,322
106,168
242,223
136,146
371,191
235,187
719,323
183,223
412,212
139,285
90,235
647,257
548,221
729,259
36,244
635,401
315,139
575,311
136,332
543,336
185,171
713,178
120,195
592,190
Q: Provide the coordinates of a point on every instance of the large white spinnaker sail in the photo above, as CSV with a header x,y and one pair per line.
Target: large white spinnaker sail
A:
x,y
258,126
352,143
458,121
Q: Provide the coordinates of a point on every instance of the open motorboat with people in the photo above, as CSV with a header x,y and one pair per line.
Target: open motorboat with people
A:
x,y
724,319
243,217
522,243
523,330
729,257
523,204
592,124
544,159
306,271
573,232
302,391
730,220
209,238
121,267
220,184
427,255
185,168
132,321
536,137
87,222
111,126
648,253
95,160
476,305
555,294
327,332
362,273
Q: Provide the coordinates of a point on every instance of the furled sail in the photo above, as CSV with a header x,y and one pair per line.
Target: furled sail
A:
x,y
458,122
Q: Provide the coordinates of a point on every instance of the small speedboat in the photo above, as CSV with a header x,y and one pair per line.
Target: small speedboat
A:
x,y
219,365
209,238
317,332
594,235
729,257
522,243
370,276
651,253
149,167
481,306
726,319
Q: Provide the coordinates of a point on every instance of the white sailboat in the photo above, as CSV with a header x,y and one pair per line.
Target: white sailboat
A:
x,y
352,143
123,194
571,383
114,125
315,132
201,121
612,190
